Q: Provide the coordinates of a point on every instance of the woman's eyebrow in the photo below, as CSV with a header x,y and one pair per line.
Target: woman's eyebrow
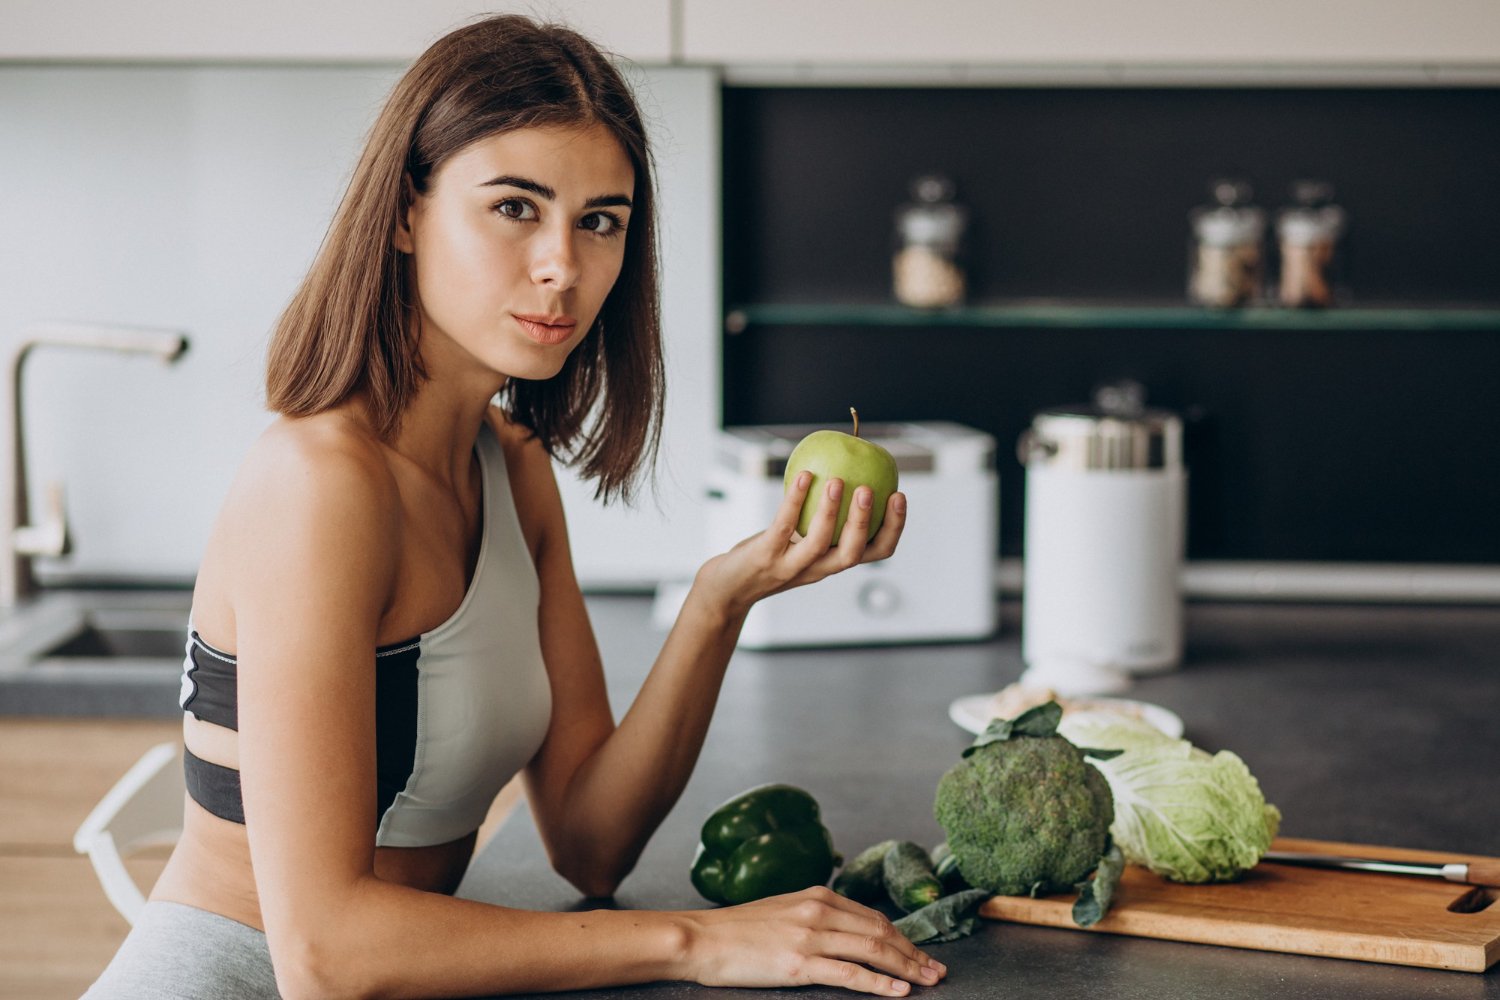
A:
x,y
511,180
543,191
605,200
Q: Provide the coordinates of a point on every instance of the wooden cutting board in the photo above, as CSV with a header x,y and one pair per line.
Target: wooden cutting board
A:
x,y
1396,919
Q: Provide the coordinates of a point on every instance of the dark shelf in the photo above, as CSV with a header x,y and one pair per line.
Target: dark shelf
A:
x,y
1054,314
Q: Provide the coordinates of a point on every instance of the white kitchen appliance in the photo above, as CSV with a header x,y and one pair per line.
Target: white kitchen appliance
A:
x,y
940,584
1105,526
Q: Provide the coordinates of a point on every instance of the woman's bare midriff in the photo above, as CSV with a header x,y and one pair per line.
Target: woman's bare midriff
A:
x,y
210,866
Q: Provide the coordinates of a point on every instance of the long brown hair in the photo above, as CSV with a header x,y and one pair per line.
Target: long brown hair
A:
x,y
350,327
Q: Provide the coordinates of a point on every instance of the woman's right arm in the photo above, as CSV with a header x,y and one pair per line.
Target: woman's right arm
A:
x,y
315,566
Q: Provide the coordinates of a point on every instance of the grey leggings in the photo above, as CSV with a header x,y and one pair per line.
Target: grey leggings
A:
x,y
184,953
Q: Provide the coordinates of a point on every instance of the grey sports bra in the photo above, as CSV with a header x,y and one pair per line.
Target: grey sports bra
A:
x,y
458,710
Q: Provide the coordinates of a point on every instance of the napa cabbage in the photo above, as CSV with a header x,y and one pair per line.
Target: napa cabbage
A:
x,y
1187,815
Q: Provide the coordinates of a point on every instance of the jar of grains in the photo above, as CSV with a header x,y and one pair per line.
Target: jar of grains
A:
x,y
1307,236
927,268
1225,260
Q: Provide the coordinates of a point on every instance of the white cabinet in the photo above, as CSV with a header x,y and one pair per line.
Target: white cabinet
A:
x,y
277,30
1072,32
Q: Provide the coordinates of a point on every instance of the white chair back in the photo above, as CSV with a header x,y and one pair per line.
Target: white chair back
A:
x,y
143,809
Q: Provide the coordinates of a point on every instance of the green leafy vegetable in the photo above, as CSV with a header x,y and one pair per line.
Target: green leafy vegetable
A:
x,y
947,919
1185,814
1095,895
1040,720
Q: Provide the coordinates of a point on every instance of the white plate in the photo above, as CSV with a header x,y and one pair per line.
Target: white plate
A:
x,y
972,712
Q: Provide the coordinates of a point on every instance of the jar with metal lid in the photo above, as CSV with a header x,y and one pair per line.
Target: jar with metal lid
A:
x,y
1105,527
1226,257
1307,237
927,267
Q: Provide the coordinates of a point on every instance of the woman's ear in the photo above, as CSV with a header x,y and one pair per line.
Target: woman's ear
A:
x,y
403,241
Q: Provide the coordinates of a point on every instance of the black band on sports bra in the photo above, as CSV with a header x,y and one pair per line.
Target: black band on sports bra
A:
x,y
210,692
214,787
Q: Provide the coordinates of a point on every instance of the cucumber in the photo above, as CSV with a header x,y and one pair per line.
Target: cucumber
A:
x,y
909,878
863,879
945,867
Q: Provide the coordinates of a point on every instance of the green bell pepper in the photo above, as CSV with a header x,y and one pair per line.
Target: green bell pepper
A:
x,y
763,842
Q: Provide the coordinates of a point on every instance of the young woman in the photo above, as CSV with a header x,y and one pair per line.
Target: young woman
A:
x,y
386,625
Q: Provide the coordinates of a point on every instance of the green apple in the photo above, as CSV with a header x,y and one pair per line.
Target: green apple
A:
x,y
836,455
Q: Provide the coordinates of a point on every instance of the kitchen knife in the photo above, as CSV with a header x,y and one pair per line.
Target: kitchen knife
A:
x,y
1469,873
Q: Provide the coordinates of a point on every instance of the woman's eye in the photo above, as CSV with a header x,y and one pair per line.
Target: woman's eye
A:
x,y
602,224
515,208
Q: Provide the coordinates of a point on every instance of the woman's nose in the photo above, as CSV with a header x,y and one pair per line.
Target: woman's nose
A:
x,y
555,261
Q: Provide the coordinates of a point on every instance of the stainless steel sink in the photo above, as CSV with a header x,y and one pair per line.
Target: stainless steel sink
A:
x,y
115,636
94,653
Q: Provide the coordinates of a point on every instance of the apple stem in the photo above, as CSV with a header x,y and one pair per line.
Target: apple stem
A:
x,y
855,414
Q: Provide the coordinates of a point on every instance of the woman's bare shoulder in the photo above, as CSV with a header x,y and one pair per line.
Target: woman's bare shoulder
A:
x,y
319,476
313,499
325,457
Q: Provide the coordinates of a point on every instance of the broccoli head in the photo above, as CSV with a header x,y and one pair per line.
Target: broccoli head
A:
x,y
1024,812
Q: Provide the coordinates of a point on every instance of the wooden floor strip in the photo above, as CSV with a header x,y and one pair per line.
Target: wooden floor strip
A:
x,y
57,929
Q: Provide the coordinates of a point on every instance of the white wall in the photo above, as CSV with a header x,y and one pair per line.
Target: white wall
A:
x,y
194,198
887,33
663,536
307,30
892,33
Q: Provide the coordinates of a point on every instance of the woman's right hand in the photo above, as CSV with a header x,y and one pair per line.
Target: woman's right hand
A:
x,y
779,559
812,936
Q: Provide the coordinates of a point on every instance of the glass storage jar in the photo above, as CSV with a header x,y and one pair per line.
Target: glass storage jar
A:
x,y
1227,252
1307,237
927,267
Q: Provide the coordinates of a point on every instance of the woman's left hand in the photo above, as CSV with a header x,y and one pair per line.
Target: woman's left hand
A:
x,y
779,559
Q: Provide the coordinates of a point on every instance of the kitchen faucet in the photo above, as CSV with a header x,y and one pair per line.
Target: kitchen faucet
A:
x,y
20,540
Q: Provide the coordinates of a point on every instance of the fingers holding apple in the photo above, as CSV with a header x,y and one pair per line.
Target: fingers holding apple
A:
x,y
795,490
833,455
803,493
883,545
854,544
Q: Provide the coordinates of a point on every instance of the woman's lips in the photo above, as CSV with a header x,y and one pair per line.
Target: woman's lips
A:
x,y
547,329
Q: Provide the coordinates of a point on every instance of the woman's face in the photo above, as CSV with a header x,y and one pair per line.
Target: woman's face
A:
x,y
516,243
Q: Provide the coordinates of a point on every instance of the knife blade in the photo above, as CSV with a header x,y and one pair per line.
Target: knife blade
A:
x,y
1467,873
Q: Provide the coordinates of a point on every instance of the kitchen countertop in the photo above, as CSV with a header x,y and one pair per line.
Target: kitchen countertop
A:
x,y
1366,724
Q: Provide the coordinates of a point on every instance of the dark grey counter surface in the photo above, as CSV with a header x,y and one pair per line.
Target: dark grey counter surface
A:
x,y
1375,725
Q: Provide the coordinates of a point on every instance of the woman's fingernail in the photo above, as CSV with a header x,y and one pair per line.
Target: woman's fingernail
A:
x,y
835,488
804,479
899,987
864,497
898,503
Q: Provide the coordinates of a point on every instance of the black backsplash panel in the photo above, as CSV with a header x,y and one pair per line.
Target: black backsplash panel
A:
x,y
1343,445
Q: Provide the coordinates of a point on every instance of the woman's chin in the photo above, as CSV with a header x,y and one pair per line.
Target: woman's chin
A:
x,y
535,369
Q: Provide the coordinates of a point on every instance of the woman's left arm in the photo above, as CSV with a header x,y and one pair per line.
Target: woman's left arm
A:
x,y
599,791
